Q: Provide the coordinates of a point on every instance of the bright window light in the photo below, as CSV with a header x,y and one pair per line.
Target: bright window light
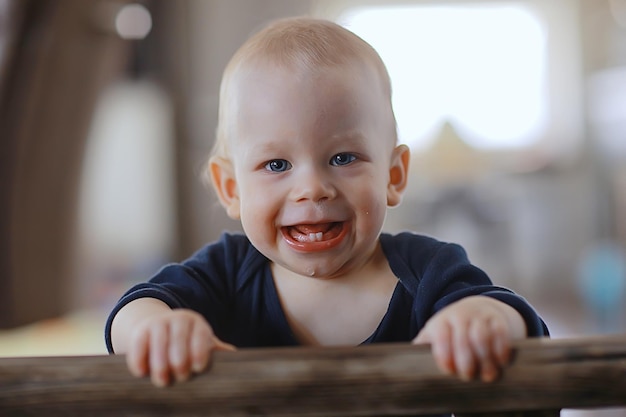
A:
x,y
481,68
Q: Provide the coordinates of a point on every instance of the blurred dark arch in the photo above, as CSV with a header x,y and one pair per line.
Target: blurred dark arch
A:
x,y
57,56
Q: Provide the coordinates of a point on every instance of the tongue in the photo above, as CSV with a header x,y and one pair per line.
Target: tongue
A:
x,y
313,228
314,234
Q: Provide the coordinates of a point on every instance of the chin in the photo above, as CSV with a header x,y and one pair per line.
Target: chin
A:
x,y
317,271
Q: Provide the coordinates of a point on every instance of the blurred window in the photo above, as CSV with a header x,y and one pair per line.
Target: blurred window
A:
x,y
481,67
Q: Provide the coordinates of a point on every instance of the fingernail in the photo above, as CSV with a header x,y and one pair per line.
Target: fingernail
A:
x,y
160,380
197,367
502,350
489,376
182,377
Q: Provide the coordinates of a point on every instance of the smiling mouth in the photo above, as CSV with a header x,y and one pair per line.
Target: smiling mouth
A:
x,y
314,237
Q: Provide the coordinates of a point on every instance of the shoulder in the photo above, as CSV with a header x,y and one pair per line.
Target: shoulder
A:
x,y
230,246
410,238
412,245
231,258
415,258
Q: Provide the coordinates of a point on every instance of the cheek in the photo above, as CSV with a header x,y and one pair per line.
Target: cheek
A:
x,y
376,212
258,211
373,208
256,227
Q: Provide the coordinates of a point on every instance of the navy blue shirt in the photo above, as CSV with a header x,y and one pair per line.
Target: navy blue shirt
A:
x,y
230,283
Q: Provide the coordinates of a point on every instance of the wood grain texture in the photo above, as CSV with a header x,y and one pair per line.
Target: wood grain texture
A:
x,y
374,380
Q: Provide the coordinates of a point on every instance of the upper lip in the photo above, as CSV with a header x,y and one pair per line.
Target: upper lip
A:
x,y
313,213
312,222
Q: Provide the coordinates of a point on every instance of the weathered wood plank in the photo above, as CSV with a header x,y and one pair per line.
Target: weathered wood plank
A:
x,y
383,380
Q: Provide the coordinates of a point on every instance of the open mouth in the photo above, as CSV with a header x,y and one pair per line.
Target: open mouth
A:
x,y
314,237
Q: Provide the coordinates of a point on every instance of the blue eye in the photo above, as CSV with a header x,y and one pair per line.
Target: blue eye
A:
x,y
342,159
278,165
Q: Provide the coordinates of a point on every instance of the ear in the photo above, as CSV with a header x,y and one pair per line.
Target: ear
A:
x,y
398,174
225,185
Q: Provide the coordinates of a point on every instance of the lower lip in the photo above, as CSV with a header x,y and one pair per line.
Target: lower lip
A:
x,y
315,246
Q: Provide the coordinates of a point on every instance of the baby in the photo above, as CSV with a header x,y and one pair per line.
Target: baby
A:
x,y
307,158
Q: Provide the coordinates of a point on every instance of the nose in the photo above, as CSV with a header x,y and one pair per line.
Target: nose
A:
x,y
313,184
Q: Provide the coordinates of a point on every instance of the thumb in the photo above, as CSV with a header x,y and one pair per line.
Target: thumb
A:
x,y
422,337
221,345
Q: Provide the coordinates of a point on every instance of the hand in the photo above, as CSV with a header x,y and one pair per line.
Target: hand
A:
x,y
472,337
171,344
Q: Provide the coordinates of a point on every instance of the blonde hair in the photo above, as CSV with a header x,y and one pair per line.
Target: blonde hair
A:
x,y
304,44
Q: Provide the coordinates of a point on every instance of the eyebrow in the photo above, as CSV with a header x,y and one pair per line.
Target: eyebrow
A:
x,y
353,138
262,149
349,136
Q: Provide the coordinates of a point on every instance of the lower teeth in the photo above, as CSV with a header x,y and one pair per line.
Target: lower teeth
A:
x,y
316,237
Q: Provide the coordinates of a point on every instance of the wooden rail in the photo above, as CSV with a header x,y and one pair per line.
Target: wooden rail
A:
x,y
375,380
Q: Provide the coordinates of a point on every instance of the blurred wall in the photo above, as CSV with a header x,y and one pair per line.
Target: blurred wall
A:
x,y
56,58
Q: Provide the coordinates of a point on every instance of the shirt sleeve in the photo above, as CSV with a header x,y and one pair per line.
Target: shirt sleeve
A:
x,y
458,278
205,283
440,273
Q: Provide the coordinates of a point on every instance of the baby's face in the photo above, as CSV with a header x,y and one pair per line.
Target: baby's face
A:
x,y
312,157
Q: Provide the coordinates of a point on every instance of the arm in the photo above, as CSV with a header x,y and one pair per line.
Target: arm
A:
x,y
163,343
468,320
472,336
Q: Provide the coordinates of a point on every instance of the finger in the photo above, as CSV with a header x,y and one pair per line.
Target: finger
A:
x,y
159,368
202,342
220,345
481,340
178,351
422,337
200,346
137,355
501,342
464,359
441,344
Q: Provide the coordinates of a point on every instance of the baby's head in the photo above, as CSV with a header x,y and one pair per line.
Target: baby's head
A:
x,y
306,154
306,47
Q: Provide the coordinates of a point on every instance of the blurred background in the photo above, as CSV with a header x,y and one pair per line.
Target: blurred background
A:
x,y
515,112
